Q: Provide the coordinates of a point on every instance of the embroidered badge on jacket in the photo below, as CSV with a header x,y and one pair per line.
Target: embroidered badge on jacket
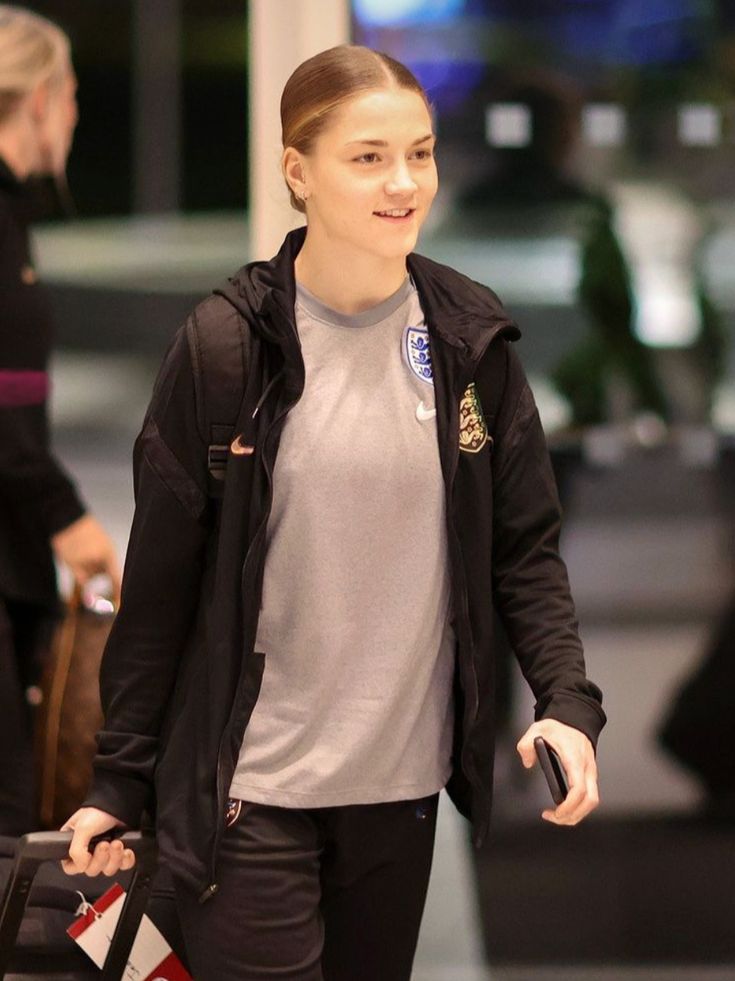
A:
x,y
472,427
232,811
418,353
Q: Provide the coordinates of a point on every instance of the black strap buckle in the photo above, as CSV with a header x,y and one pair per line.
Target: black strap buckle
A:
x,y
217,460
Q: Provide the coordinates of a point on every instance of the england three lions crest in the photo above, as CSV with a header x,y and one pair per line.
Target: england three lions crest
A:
x,y
418,353
472,428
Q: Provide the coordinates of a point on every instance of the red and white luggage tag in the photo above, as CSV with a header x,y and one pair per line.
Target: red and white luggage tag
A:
x,y
151,958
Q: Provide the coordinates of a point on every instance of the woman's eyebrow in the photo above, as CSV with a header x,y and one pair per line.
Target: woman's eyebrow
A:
x,y
421,139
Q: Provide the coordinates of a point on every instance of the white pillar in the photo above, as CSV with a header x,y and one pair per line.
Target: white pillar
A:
x,y
283,33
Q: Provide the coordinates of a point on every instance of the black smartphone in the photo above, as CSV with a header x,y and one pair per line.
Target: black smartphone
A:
x,y
553,770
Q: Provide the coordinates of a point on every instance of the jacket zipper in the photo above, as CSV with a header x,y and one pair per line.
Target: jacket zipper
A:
x,y
473,695
219,781
253,550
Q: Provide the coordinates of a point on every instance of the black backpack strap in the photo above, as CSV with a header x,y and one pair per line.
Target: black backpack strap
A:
x,y
219,341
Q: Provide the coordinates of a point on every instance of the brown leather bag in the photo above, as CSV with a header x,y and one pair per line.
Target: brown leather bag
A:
x,y
70,712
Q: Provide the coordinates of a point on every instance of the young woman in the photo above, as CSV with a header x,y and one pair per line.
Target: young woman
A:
x,y
40,511
300,669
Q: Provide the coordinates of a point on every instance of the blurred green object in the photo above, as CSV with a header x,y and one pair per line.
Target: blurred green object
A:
x,y
611,351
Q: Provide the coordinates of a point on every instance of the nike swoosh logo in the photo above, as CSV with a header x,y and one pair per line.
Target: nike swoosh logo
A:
x,y
238,448
423,414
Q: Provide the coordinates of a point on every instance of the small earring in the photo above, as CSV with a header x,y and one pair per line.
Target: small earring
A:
x,y
304,194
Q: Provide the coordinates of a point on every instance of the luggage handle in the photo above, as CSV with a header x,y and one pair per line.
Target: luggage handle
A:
x,y
38,847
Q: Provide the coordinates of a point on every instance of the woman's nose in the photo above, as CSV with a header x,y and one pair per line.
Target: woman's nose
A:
x,y
400,181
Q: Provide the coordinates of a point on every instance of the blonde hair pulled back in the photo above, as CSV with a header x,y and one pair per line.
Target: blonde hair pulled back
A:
x,y
33,50
320,85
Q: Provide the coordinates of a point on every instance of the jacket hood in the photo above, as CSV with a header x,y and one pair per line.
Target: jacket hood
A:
x,y
466,314
463,312
8,178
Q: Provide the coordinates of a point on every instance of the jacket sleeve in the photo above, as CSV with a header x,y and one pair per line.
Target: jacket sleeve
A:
x,y
530,578
160,591
30,476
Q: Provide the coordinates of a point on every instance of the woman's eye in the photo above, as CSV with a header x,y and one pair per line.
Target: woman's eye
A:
x,y
423,154
367,158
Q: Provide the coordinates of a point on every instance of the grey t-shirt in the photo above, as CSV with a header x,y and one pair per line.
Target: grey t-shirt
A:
x,y
356,701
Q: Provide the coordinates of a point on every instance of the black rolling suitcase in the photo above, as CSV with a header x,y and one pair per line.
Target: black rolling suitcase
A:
x,y
36,948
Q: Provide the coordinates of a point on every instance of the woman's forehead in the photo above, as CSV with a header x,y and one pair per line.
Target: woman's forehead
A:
x,y
379,114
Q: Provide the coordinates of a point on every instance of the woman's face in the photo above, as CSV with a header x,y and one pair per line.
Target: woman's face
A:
x,y
371,177
57,124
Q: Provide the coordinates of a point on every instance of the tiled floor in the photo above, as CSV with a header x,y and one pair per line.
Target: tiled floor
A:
x,y
696,972
461,972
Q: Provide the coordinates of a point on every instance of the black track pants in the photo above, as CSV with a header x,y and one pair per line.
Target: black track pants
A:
x,y
318,894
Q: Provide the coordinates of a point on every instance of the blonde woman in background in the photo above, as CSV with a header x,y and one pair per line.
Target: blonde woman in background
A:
x,y
41,514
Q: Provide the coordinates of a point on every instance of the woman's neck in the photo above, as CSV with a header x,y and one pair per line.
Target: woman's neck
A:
x,y
348,284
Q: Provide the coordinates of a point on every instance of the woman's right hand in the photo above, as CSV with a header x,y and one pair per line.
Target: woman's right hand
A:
x,y
108,857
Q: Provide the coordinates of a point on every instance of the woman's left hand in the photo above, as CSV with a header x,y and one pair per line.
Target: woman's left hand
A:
x,y
578,759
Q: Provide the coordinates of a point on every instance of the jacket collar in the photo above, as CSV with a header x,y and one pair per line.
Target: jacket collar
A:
x,y
8,178
465,314
462,312
269,286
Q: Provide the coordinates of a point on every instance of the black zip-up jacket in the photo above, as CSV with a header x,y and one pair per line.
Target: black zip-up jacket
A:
x,y
37,498
180,675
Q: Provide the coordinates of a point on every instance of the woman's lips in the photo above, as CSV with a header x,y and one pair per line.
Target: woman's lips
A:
x,y
396,219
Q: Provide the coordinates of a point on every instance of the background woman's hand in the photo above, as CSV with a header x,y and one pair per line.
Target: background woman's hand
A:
x,y
108,857
578,759
88,550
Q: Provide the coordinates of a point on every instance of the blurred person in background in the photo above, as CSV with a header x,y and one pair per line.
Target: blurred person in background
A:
x,y
41,514
302,663
529,190
697,727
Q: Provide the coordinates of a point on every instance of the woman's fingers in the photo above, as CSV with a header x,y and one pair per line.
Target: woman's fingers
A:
x,y
76,864
99,859
573,803
582,799
107,858
577,757
79,857
115,858
526,750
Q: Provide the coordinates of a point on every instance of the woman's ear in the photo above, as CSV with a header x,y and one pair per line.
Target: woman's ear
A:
x,y
38,102
294,171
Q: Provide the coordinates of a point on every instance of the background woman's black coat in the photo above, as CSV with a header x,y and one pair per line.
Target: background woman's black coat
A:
x,y
37,498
